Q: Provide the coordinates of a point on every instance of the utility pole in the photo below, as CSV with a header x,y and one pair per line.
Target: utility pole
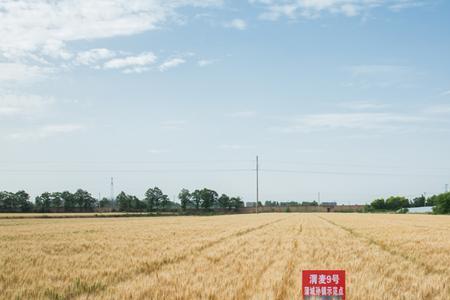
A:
x,y
113,202
257,183
318,198
446,187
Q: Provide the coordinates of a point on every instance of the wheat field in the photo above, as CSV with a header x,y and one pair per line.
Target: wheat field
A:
x,y
224,257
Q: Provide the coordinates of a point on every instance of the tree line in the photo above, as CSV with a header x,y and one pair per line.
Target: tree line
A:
x,y
154,201
440,203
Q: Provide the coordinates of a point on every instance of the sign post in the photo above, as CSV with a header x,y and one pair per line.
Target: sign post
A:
x,y
323,284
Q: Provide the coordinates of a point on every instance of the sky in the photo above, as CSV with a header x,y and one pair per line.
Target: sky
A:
x,y
349,98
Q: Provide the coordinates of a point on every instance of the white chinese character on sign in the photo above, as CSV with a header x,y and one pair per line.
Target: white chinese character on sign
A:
x,y
335,278
307,291
318,291
324,291
341,291
313,279
335,291
322,279
329,291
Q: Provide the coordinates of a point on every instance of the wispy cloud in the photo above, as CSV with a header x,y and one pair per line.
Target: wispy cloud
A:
x,y
205,62
381,76
275,9
45,132
28,25
25,105
352,121
37,34
171,63
233,147
173,124
359,70
238,24
92,56
242,114
132,64
22,72
363,105
438,109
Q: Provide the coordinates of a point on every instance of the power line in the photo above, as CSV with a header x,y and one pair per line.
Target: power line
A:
x,y
124,171
345,173
257,183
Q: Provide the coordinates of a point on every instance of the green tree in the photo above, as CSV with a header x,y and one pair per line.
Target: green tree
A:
x,y
185,198
396,202
123,201
44,202
56,200
104,203
165,203
154,198
68,201
84,200
442,204
7,200
237,203
196,197
209,198
378,204
22,201
419,201
224,201
432,201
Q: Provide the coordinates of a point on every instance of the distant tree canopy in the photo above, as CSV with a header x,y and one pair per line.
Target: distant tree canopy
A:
x,y
391,203
82,201
440,202
15,201
206,200
66,201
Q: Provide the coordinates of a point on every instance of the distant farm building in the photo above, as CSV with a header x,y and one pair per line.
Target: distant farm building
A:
x,y
332,204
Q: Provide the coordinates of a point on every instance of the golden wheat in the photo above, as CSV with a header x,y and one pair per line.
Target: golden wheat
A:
x,y
223,257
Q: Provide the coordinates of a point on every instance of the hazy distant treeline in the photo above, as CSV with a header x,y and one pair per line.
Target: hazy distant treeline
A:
x,y
82,201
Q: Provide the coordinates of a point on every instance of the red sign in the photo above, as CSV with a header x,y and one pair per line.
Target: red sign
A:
x,y
323,283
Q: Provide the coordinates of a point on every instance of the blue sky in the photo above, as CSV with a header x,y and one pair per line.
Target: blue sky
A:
x,y
349,98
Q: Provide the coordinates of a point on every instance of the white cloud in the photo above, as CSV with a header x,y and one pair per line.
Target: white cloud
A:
x,y
56,49
93,56
205,62
14,105
27,25
242,114
156,151
171,63
359,70
132,64
238,24
173,124
446,93
21,72
32,31
438,109
45,132
275,9
233,147
353,121
363,105
382,76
